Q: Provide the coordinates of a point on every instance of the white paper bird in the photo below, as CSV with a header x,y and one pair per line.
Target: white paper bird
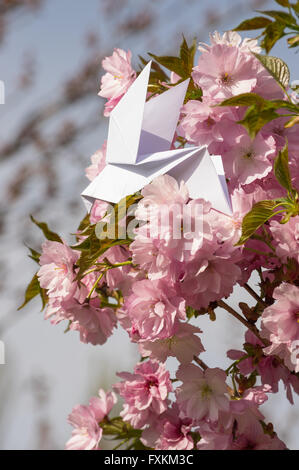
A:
x,y
139,138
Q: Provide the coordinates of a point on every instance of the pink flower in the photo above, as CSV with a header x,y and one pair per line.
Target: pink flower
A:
x,y
202,123
153,308
224,71
257,395
86,419
231,38
163,191
245,434
57,272
209,275
287,238
183,345
227,68
119,77
246,159
266,86
98,163
103,404
268,367
98,211
203,394
249,433
87,433
110,105
281,134
174,232
280,325
94,324
214,440
151,254
169,432
145,392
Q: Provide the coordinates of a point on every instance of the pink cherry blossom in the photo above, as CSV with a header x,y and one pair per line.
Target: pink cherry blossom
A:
x,y
87,433
183,345
57,272
280,133
86,419
224,71
281,327
202,122
202,394
209,275
153,308
151,254
95,324
231,38
163,191
102,404
98,162
246,160
169,432
98,211
119,77
286,237
145,392
214,440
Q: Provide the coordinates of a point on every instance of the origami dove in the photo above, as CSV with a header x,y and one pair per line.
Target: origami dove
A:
x,y
139,138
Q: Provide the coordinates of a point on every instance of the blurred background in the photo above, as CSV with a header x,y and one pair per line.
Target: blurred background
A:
x,y
50,62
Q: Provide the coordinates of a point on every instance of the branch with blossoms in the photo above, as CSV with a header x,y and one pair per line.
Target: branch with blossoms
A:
x,y
157,286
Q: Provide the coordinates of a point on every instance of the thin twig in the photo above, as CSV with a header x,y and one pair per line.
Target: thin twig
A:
x,y
248,325
200,363
254,294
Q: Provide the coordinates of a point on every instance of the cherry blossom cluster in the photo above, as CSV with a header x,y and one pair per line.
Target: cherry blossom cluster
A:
x,y
156,287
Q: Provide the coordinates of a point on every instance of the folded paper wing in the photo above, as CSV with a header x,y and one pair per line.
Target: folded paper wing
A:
x,y
139,137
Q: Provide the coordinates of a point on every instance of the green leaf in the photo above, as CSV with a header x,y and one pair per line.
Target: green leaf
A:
x,y
84,223
187,55
117,427
191,312
277,104
293,41
194,94
254,23
35,255
181,65
259,214
32,291
171,63
277,68
157,73
295,7
245,99
272,34
281,169
255,119
283,3
93,246
280,16
48,233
